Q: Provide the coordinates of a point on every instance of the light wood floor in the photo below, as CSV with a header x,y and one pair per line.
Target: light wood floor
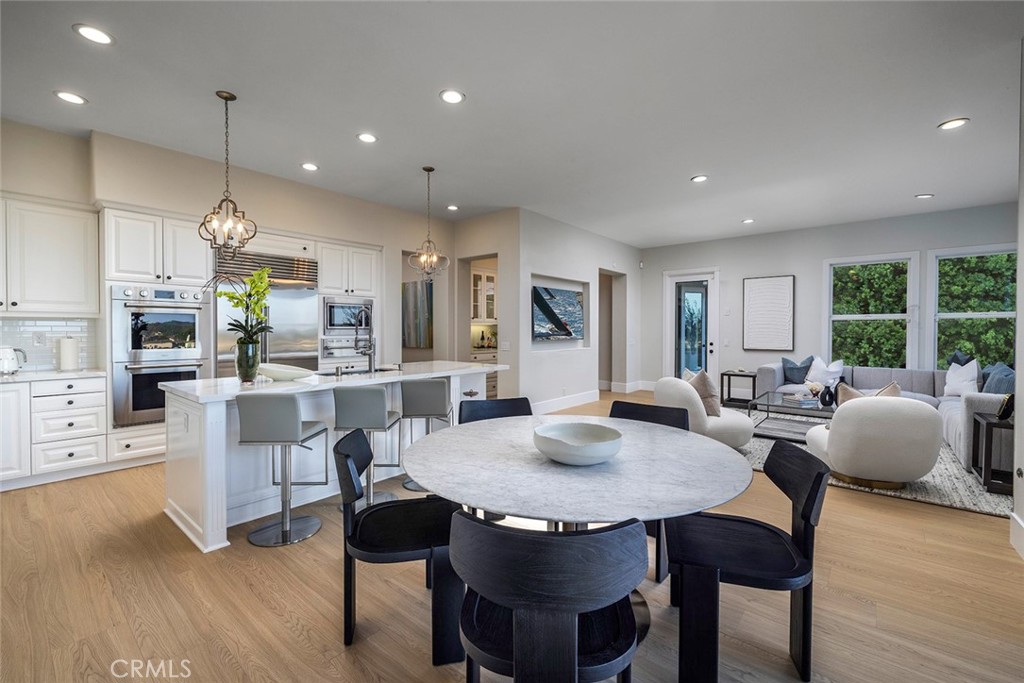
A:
x,y
91,571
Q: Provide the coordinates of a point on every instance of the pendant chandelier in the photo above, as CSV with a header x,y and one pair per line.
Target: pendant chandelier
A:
x,y
226,228
428,260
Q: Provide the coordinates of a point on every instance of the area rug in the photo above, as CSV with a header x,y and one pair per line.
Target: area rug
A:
x,y
948,484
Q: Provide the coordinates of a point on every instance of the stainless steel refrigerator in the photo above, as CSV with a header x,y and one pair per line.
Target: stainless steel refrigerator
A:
x,y
292,310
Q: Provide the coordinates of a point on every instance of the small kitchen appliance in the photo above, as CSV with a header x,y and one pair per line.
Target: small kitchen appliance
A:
x,y
9,360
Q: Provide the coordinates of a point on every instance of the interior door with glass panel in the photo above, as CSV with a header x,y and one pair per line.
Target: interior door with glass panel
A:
x,y
692,347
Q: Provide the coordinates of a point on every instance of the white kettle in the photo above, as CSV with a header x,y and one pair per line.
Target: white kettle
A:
x,y
9,360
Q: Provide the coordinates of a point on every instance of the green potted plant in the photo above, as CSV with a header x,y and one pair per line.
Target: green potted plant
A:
x,y
249,295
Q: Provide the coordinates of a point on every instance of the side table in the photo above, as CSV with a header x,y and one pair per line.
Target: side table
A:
x,y
994,481
725,382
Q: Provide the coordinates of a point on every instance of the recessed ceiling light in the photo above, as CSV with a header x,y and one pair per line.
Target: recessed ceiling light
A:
x,y
925,195
94,34
452,96
367,137
747,221
70,97
452,207
953,124
699,179
310,166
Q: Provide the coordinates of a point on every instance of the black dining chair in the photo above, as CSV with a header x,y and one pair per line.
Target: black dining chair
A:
x,y
551,607
705,549
670,417
399,531
471,411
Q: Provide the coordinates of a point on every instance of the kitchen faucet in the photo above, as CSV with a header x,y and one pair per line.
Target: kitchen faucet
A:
x,y
366,346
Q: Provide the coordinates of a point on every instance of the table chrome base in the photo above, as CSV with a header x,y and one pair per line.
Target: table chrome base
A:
x,y
271,535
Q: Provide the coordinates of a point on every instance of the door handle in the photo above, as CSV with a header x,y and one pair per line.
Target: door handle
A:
x,y
163,366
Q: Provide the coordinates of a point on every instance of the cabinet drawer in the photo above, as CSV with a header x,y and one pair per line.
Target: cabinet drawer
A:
x,y
68,424
52,387
64,455
42,404
125,446
487,357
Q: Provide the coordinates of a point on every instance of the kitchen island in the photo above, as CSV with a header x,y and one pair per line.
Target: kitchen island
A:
x,y
212,482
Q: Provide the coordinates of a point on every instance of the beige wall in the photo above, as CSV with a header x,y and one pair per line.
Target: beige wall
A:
x,y
496,234
44,164
803,252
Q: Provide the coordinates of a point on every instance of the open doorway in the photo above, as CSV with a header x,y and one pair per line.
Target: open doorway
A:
x,y
611,331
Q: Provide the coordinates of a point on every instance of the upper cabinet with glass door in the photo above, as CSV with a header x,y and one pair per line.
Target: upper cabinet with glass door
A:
x,y
483,298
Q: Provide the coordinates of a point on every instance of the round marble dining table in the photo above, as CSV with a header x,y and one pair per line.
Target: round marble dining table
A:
x,y
659,472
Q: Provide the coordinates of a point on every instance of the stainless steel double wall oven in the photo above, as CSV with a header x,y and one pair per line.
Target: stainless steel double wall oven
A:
x,y
157,334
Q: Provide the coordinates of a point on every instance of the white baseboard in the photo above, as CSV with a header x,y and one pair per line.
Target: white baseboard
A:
x,y
646,385
627,387
61,475
1017,533
551,405
605,385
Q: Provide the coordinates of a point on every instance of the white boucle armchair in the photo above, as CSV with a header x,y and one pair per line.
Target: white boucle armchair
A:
x,y
879,441
732,428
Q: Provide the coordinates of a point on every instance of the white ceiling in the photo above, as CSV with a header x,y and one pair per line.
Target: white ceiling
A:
x,y
596,114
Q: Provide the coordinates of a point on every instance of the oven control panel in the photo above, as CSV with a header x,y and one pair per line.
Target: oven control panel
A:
x,y
159,294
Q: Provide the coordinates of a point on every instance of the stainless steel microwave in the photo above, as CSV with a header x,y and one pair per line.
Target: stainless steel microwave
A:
x,y
347,317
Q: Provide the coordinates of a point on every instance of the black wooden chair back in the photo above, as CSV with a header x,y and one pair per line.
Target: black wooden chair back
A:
x,y
547,579
472,411
352,455
663,415
803,478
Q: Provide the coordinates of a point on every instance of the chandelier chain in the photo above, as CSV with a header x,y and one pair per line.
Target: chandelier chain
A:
x,y
227,166
428,205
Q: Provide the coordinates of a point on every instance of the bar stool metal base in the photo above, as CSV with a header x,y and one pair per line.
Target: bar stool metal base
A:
x,y
271,535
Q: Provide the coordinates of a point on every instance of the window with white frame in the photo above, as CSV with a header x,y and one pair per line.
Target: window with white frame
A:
x,y
871,302
974,303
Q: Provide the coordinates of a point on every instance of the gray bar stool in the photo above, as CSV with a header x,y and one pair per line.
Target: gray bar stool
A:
x,y
275,420
366,408
429,399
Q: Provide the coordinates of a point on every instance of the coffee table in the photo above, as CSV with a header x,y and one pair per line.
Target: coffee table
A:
x,y
774,427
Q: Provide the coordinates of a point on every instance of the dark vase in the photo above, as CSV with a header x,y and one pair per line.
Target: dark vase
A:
x,y
247,361
827,397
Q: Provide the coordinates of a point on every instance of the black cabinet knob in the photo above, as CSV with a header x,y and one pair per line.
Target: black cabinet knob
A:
x,y
71,455
71,403
157,277
168,277
127,446
14,303
71,424
71,386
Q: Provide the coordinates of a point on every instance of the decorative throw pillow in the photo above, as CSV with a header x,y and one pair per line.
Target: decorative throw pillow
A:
x,y
794,372
1002,380
708,393
987,371
844,392
688,374
825,375
960,358
961,379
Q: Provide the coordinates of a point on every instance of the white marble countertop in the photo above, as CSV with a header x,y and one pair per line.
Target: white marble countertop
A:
x,y
226,388
659,471
43,375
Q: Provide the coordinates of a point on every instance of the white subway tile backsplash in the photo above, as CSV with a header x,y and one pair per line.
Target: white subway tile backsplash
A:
x,y
18,333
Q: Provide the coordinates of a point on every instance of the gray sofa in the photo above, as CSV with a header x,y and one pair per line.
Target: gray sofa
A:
x,y
957,412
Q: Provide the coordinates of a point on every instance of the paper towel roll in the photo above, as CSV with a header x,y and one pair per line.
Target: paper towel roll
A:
x,y
69,359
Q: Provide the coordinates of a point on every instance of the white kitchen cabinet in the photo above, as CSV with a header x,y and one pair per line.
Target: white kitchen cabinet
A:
x,y
15,439
349,270
153,249
136,442
483,297
51,258
281,245
68,419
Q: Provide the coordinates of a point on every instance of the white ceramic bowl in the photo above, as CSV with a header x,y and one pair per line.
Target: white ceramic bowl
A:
x,y
283,372
577,443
